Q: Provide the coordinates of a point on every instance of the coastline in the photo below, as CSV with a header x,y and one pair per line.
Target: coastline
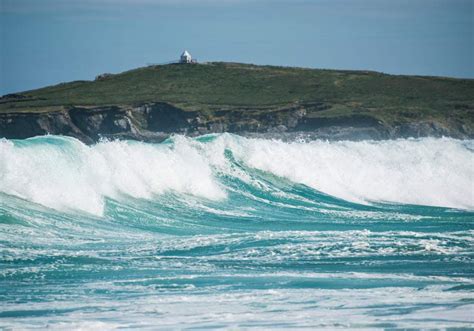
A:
x,y
154,102
156,122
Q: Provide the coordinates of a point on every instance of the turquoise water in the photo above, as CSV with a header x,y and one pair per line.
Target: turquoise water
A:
x,y
224,231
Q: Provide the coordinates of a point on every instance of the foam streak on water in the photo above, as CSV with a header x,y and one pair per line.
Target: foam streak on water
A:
x,y
225,231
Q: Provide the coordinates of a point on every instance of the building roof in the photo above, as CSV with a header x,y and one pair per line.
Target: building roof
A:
x,y
185,54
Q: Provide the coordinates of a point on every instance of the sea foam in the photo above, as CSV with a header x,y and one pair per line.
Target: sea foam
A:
x,y
64,174
428,171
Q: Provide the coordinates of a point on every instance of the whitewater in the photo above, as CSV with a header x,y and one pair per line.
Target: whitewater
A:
x,y
223,231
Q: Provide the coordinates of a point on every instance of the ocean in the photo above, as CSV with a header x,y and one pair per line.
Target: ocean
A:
x,y
222,231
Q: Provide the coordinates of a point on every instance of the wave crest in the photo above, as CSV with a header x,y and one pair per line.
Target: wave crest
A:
x,y
64,174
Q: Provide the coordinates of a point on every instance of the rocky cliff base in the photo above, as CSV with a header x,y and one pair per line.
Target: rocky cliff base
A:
x,y
154,122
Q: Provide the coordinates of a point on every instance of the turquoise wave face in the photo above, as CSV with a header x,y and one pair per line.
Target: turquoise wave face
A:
x,y
224,231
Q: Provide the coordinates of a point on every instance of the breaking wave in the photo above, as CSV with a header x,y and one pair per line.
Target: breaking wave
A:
x,y
222,231
64,174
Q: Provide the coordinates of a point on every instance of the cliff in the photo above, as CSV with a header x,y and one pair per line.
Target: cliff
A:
x,y
153,102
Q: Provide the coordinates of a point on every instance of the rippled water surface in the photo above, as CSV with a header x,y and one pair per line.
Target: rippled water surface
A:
x,y
224,231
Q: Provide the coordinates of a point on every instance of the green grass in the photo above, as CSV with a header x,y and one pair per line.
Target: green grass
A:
x,y
221,86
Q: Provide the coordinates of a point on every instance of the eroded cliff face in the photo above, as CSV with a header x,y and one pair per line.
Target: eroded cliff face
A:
x,y
154,122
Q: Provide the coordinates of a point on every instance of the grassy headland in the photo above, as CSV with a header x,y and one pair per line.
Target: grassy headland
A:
x,y
214,88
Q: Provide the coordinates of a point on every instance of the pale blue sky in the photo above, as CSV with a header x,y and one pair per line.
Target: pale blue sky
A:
x,y
45,42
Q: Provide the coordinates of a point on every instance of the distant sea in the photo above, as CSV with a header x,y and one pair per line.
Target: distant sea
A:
x,y
222,231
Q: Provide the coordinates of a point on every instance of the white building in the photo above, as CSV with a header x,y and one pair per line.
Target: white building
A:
x,y
186,57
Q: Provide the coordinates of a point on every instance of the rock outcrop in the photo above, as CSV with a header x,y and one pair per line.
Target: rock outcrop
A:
x,y
154,122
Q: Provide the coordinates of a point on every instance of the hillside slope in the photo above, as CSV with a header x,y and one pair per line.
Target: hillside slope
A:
x,y
152,102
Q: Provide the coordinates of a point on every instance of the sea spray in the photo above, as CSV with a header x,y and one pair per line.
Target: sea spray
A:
x,y
428,171
64,174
